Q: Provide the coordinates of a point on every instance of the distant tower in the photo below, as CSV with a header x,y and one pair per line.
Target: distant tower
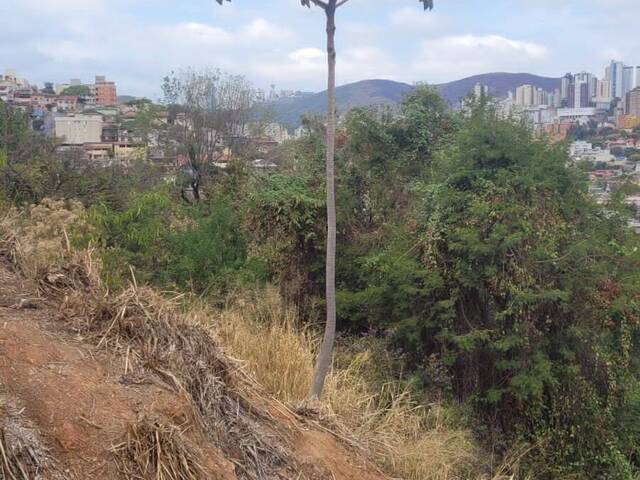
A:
x,y
565,88
105,92
480,91
616,75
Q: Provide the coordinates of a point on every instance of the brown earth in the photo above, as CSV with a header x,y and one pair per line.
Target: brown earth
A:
x,y
80,402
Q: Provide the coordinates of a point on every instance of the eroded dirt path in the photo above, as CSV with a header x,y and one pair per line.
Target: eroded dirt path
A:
x,y
80,400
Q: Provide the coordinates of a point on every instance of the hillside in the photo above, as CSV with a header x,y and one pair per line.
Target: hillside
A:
x,y
386,92
128,388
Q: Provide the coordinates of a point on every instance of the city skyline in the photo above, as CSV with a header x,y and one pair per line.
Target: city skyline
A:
x,y
139,42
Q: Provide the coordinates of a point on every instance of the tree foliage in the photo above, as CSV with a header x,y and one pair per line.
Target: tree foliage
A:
x,y
77,91
525,289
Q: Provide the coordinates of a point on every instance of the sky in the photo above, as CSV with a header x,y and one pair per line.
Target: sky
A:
x,y
137,42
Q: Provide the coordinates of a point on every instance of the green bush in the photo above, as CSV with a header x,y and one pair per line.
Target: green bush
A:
x,y
171,244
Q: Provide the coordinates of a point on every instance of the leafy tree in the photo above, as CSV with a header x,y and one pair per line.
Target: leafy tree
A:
x,y
283,217
324,358
13,127
535,305
77,91
147,127
29,170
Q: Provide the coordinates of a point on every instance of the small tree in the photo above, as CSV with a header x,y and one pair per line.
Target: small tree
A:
x,y
324,358
207,110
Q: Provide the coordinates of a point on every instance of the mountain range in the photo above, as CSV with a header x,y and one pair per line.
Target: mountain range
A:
x,y
366,93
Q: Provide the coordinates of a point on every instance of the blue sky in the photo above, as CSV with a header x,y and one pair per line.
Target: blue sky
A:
x,y
137,42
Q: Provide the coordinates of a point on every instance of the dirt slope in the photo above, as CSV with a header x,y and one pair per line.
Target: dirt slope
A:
x,y
67,403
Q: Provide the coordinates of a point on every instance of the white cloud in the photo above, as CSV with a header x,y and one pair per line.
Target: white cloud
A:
x,y
261,29
463,55
299,65
306,55
194,34
309,65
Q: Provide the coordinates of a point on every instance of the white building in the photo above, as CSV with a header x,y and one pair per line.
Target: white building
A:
x,y
525,95
78,129
623,78
480,90
615,74
581,151
576,115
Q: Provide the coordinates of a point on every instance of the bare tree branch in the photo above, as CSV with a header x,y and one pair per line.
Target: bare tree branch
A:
x,y
318,3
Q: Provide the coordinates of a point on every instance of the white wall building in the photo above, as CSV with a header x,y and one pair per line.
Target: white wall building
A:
x,y
78,129
581,151
576,115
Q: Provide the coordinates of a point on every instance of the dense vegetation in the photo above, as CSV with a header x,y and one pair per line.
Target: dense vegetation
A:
x,y
465,245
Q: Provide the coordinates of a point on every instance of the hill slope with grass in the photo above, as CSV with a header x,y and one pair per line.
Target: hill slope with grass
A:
x,y
121,387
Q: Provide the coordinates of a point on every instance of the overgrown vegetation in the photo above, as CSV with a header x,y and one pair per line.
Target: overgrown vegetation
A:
x,y
480,289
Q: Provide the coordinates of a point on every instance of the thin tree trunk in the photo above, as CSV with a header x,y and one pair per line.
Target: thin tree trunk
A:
x,y
324,357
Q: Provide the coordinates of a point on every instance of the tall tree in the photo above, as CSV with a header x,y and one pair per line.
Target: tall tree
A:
x,y
324,357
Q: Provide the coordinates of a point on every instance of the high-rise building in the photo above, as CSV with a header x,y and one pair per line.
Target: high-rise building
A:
x,y
615,74
565,85
632,107
541,97
480,90
105,92
525,95
603,92
589,79
629,80
582,96
631,77
555,99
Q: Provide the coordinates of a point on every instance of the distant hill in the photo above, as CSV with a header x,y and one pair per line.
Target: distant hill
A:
x,y
499,84
126,98
360,94
386,92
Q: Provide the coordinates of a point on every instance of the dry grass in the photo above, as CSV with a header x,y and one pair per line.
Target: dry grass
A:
x,y
263,332
8,235
153,451
37,238
22,454
18,461
155,336
407,440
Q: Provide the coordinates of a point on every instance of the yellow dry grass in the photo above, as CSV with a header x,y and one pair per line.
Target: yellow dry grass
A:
x,y
407,440
38,238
